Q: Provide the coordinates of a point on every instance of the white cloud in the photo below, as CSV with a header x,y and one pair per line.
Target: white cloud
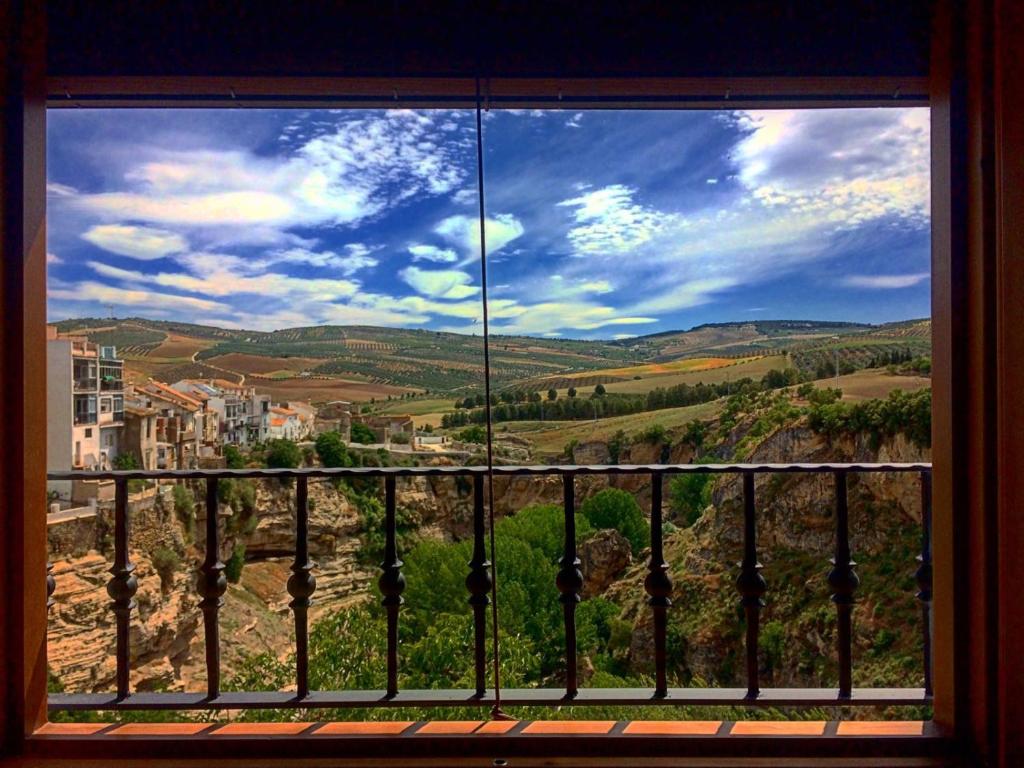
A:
x,y
846,165
54,189
440,283
136,242
433,253
609,222
576,315
133,297
885,281
53,258
356,257
574,121
350,170
464,233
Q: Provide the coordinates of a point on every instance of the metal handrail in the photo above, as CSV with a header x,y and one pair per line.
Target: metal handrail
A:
x,y
301,587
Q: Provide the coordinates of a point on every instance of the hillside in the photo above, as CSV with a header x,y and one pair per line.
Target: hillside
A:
x,y
364,363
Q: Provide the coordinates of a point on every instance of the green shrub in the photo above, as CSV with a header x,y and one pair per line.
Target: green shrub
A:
x,y
474,434
615,508
362,434
654,434
185,510
688,497
233,567
166,562
282,454
401,438
233,457
125,461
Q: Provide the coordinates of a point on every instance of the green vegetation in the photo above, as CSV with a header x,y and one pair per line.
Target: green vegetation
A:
x,y
282,454
233,457
362,434
185,510
166,562
688,497
474,434
908,413
614,508
331,450
233,567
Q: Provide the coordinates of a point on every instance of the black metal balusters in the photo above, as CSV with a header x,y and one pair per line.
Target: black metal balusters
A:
x,y
478,582
122,584
211,584
844,581
301,585
658,585
391,583
751,585
924,577
570,584
51,586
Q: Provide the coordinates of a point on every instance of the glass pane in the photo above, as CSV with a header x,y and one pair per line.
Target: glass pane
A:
x,y
694,287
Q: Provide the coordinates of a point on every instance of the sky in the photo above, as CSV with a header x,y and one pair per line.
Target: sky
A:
x,y
600,224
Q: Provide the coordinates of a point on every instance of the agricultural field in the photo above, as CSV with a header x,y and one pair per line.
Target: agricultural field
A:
x,y
261,365
322,390
874,383
550,438
177,346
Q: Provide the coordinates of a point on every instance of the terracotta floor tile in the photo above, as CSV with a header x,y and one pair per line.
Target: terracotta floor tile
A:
x,y
261,729
673,727
570,727
364,729
449,727
878,728
777,728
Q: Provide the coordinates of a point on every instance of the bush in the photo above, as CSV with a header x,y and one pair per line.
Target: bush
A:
x,y
362,434
401,438
688,497
165,562
125,461
474,434
233,567
185,510
614,508
283,454
233,457
654,434
331,450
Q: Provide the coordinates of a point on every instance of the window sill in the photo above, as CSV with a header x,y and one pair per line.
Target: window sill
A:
x,y
676,743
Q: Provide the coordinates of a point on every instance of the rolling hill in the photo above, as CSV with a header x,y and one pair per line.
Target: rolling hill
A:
x,y
361,363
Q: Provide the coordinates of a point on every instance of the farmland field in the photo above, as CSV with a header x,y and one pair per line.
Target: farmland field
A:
x,y
262,365
316,390
873,383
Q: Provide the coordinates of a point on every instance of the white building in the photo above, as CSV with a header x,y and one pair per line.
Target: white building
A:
x,y
85,406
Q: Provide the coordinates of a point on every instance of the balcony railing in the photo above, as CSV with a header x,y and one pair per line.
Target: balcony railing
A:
x,y
750,585
85,385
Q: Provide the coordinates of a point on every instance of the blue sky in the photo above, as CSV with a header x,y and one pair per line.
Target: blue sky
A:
x,y
600,223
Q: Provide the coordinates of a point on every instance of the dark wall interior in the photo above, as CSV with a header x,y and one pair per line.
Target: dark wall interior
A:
x,y
557,38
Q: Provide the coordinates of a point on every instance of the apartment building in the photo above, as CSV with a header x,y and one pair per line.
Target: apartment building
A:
x,y
85,402
179,424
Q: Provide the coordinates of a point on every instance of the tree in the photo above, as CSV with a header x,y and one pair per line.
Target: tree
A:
x,y
234,457
689,495
283,454
125,461
362,434
552,394
332,451
599,389
474,434
615,508
695,433
571,392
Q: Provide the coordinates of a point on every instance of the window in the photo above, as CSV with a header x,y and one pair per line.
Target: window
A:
x,y
104,405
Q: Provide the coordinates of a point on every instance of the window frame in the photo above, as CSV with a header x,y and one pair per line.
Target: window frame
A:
x,y
958,331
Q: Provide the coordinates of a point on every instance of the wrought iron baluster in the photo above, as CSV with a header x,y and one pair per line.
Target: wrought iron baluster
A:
x,y
51,587
844,581
122,585
301,585
751,584
478,582
658,585
391,583
924,577
570,583
211,585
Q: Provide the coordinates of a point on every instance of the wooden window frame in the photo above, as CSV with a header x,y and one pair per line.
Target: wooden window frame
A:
x,y
976,199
